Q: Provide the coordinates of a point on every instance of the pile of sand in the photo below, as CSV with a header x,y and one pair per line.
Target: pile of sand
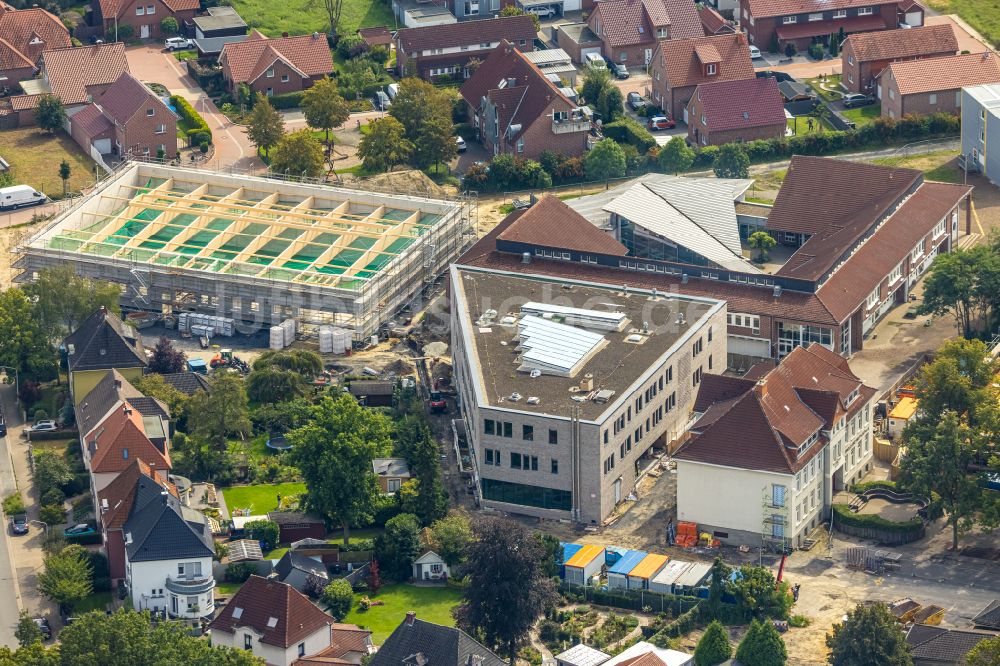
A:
x,y
407,182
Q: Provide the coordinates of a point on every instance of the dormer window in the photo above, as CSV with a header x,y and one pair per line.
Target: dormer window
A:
x,y
852,397
804,446
711,69
661,33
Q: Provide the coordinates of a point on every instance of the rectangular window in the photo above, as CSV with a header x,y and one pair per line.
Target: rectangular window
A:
x,y
554,466
150,113
161,128
709,361
527,495
270,73
489,456
150,10
896,273
553,436
788,20
489,427
284,78
528,433
140,11
865,11
247,642
696,377
621,450
270,92
711,69
515,460
818,16
508,429
842,13
932,98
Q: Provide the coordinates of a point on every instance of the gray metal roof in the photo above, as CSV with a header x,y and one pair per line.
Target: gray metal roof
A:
x,y
439,645
582,655
548,57
210,45
164,529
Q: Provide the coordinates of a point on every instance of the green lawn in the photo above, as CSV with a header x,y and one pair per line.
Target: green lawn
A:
x,y
433,604
300,17
227,589
863,115
832,81
983,16
800,125
97,601
276,554
34,158
259,498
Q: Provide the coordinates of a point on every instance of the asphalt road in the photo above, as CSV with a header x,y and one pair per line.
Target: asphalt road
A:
x,y
10,596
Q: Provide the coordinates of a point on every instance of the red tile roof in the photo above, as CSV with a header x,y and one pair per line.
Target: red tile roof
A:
x,y
120,493
119,440
22,102
729,105
262,600
683,68
764,8
713,22
247,60
647,659
71,71
824,28
946,73
92,121
511,28
378,36
31,31
633,22
874,260
899,44
551,223
520,90
126,96
762,429
112,8
11,58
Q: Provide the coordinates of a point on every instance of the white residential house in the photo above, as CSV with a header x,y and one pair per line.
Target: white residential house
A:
x,y
430,566
769,451
168,559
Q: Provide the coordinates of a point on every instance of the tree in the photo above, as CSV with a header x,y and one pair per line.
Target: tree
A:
x,y
27,631
221,414
385,145
514,10
51,114
265,531
963,284
63,300
427,497
610,104
714,647
605,161
731,162
758,591
676,156
594,82
334,8
66,577
305,362
435,143
398,546
23,343
265,126
338,597
720,579
762,242
274,385
324,108
424,111
152,385
65,171
552,553
450,537
166,359
169,26
126,638
299,155
374,580
869,635
509,590
123,32
334,452
762,646
985,653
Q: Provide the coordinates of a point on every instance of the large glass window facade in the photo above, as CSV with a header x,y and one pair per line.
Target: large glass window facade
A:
x,y
646,245
520,493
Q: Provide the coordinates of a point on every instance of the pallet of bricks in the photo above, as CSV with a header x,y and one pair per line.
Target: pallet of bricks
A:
x,y
687,534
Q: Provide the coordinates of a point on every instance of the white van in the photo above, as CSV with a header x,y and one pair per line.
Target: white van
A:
x,y
392,90
595,60
19,196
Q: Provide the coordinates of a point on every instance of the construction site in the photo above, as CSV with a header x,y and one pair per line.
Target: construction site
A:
x,y
253,249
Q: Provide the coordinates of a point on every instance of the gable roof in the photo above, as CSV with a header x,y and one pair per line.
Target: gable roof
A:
x,y
92,121
989,617
631,22
679,58
297,561
308,54
29,32
188,383
741,104
898,44
134,487
260,601
441,646
550,222
344,639
763,8
944,73
939,645
103,342
70,71
520,103
119,440
112,8
164,529
466,33
11,58
762,428
712,22
126,96
110,392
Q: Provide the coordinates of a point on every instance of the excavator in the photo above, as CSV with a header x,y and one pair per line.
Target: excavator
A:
x,y
225,359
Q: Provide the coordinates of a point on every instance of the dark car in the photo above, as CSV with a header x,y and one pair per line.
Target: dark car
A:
x,y
661,123
44,627
19,524
3,425
635,101
620,71
856,99
777,76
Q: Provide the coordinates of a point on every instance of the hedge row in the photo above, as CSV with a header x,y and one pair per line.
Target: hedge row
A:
x,y
291,100
844,516
633,600
192,119
631,133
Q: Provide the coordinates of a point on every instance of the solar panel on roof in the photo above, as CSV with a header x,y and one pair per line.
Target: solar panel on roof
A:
x,y
557,348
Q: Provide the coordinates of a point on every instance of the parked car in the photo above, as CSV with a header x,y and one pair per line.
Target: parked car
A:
x,y
19,524
620,71
392,90
777,76
178,43
44,426
541,11
755,53
83,529
44,627
635,101
460,144
661,123
595,61
3,425
381,101
853,100
19,196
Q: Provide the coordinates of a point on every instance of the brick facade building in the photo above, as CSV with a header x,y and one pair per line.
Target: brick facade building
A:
x,y
629,30
772,24
24,35
142,16
865,55
735,111
934,85
276,66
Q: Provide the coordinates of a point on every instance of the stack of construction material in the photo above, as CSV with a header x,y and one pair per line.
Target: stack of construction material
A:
x,y
277,339
224,326
325,339
289,328
687,534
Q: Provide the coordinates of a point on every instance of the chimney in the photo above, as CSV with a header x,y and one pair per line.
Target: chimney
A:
x,y
587,383
410,617
284,34
127,409
118,383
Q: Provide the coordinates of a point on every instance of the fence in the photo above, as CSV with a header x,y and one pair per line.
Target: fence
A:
x,y
633,600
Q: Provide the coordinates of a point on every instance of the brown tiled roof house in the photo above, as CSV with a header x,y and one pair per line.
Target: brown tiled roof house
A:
x,y
24,35
680,65
143,16
934,85
713,23
516,109
276,66
446,50
736,111
630,29
866,54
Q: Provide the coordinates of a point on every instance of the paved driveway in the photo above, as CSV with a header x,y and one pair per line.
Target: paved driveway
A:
x,y
232,148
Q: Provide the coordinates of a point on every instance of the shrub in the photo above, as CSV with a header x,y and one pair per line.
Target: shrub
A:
x,y
351,46
13,504
265,531
292,100
706,156
816,51
191,119
338,597
203,147
630,132
53,515
798,621
844,516
239,572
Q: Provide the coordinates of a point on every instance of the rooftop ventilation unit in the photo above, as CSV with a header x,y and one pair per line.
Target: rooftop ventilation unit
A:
x,y
604,396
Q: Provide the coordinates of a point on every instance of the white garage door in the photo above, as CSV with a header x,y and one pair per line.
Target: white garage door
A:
x,y
914,19
103,146
745,346
593,49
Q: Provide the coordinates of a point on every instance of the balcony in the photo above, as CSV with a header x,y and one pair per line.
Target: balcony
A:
x,y
190,586
567,126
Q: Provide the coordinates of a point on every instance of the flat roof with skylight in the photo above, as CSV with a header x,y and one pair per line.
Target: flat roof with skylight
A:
x,y
543,346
